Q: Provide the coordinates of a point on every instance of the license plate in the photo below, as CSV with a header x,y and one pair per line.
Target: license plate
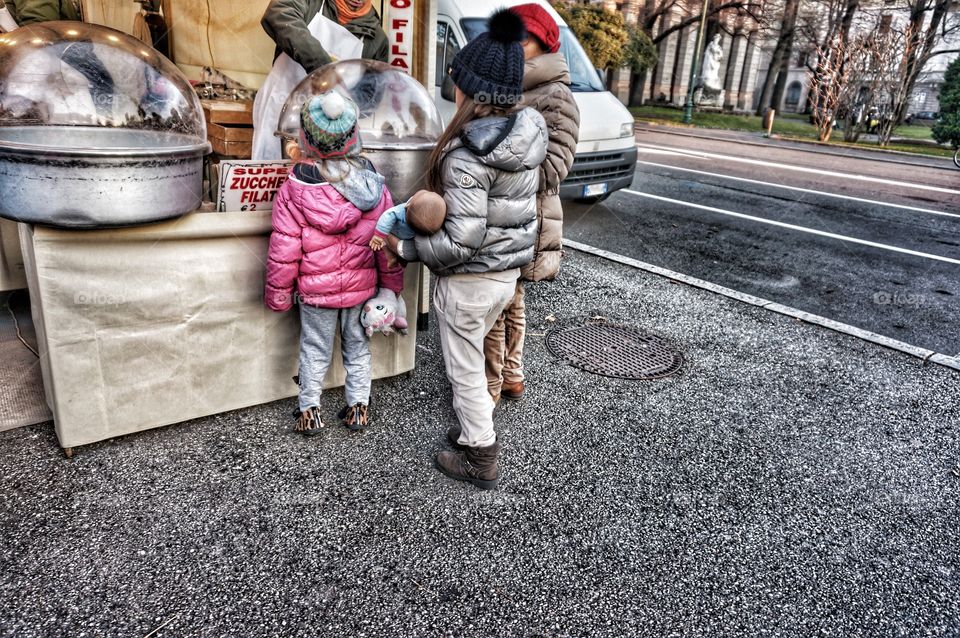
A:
x,y
592,190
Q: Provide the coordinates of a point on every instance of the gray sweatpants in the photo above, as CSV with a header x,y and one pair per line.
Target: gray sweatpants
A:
x,y
466,308
318,327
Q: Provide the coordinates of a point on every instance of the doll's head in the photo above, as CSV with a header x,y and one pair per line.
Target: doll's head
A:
x,y
425,212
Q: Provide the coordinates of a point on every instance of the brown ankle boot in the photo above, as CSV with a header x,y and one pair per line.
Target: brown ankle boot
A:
x,y
453,438
309,422
475,465
512,391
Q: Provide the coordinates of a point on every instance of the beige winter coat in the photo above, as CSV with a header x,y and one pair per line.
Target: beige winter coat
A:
x,y
545,88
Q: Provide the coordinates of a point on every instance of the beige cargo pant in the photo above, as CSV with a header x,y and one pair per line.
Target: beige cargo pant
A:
x,y
503,346
466,307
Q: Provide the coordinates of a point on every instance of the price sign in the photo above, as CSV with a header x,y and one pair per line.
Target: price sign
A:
x,y
250,184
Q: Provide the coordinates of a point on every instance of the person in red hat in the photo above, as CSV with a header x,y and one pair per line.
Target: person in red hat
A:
x,y
546,88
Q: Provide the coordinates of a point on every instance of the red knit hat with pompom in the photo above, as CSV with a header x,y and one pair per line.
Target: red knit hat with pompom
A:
x,y
539,23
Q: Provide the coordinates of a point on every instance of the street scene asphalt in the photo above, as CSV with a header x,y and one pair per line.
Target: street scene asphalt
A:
x,y
788,481
868,240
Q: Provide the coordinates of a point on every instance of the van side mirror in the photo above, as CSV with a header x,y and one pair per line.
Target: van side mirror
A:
x,y
448,90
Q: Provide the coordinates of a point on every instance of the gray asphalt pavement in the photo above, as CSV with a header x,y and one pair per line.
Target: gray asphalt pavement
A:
x,y
913,298
789,481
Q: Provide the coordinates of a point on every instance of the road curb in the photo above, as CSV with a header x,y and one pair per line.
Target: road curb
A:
x,y
927,356
683,132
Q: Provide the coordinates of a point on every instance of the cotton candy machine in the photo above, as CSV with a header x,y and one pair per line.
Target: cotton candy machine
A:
x,y
399,123
96,129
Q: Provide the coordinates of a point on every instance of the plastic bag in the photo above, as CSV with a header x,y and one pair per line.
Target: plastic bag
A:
x,y
339,43
7,23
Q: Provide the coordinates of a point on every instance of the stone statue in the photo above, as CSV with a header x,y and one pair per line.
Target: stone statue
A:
x,y
710,92
712,57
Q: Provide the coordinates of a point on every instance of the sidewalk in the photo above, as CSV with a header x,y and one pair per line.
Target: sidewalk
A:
x,y
788,481
757,138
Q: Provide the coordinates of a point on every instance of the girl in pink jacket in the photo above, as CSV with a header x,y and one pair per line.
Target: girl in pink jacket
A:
x,y
323,219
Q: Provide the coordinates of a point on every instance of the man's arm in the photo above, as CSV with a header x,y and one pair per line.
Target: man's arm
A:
x,y
285,21
32,11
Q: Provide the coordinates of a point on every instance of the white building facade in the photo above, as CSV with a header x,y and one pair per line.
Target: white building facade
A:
x,y
747,51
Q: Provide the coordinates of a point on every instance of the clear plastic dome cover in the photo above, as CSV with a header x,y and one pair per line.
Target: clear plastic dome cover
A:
x,y
77,74
394,108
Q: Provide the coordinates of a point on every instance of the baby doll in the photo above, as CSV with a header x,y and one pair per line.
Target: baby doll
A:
x,y
423,214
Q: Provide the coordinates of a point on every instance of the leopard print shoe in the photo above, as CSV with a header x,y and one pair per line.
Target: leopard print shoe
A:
x,y
355,417
309,422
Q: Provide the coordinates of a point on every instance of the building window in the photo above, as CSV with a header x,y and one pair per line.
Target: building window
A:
x,y
803,58
885,21
793,93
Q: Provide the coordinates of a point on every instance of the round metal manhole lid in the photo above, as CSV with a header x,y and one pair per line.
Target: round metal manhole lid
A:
x,y
616,351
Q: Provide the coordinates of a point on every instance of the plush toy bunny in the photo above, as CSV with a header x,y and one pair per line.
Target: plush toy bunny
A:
x,y
384,313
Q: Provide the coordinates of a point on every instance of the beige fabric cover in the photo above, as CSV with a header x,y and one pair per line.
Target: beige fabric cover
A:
x,y
12,276
153,325
241,48
111,13
141,31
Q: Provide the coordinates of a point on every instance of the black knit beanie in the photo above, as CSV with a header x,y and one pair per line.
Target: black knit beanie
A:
x,y
490,68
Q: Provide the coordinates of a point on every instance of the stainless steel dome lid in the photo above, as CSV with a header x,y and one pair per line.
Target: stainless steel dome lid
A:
x,y
75,74
96,129
396,111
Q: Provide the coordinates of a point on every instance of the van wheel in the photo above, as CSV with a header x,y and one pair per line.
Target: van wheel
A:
x,y
593,200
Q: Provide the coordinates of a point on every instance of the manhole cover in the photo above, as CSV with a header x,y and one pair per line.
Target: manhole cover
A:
x,y
615,351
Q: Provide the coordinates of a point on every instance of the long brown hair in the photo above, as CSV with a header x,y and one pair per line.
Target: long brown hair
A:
x,y
468,111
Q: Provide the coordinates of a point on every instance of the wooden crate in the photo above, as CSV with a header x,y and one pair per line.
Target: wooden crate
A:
x,y
229,127
227,112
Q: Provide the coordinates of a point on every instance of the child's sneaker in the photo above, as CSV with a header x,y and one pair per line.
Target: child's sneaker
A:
x,y
309,422
355,417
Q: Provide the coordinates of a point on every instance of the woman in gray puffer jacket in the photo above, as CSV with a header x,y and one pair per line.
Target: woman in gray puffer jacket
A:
x,y
486,166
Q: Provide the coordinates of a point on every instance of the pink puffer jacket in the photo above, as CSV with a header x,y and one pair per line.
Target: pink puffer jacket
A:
x,y
320,243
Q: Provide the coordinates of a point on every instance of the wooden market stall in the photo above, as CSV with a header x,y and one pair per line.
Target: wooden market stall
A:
x,y
157,324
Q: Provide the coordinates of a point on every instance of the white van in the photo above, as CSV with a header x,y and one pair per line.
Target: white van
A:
x,y
607,153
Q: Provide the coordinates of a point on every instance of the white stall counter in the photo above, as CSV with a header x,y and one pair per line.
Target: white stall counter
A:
x,y
158,324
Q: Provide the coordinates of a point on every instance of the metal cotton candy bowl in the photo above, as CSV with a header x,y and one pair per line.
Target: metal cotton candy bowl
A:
x,y
399,123
96,129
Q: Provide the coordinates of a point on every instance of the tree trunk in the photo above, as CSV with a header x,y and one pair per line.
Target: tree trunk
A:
x,y
781,85
852,126
781,51
917,52
919,48
846,21
637,82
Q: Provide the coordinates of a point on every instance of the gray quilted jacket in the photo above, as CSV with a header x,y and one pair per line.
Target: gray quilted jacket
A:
x,y
490,181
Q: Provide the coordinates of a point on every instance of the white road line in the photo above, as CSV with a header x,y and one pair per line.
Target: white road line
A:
x,y
800,169
802,229
803,190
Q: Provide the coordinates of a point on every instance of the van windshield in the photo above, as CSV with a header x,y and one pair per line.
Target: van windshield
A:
x,y
583,75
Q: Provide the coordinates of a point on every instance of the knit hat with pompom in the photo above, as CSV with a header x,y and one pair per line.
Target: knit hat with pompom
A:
x,y
490,68
328,127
